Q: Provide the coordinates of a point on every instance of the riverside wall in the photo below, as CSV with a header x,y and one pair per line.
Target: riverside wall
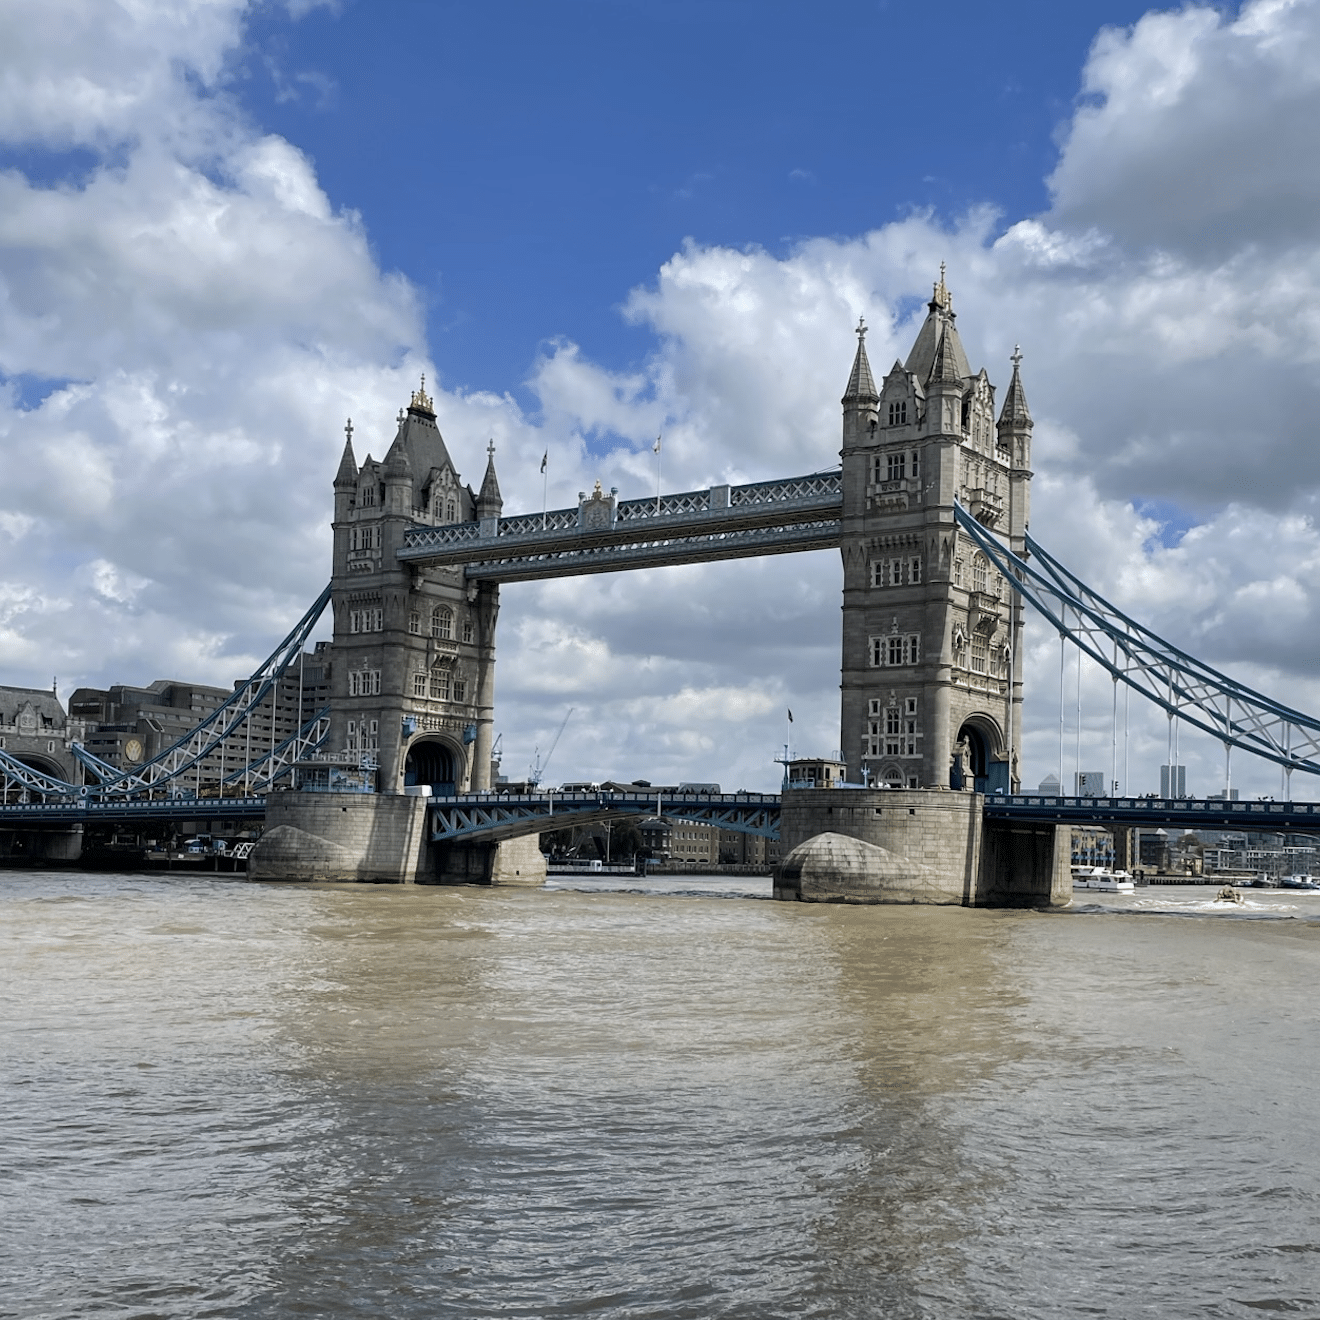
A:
x,y
915,846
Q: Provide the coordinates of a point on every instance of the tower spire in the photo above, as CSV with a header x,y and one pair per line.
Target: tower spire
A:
x,y
1015,414
490,502
861,384
348,468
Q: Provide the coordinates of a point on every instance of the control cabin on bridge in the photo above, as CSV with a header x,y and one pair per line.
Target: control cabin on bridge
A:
x,y
932,666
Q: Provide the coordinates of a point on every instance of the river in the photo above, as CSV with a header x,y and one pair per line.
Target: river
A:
x,y
226,1100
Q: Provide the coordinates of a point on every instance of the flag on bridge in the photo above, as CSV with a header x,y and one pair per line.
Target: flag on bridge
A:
x,y
545,458
655,448
790,717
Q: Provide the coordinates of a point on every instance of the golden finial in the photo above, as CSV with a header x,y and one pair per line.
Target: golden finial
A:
x,y
420,399
942,297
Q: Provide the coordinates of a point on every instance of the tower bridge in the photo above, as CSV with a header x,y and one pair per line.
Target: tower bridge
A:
x,y
928,508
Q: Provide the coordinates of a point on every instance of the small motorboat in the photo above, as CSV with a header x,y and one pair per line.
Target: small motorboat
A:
x,y
1102,878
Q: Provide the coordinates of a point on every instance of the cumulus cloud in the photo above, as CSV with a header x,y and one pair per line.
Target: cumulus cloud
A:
x,y
185,324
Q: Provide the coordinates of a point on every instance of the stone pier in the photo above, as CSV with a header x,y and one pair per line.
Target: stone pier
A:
x,y
915,846
379,838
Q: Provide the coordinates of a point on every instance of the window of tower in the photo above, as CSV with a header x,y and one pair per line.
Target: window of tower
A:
x,y
980,655
440,684
415,622
980,573
898,413
419,684
460,690
442,622
450,512
468,633
897,467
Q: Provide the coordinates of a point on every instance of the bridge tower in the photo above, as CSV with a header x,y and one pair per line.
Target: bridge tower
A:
x,y
414,647
932,668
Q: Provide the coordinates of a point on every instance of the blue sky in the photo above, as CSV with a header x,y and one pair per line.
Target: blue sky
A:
x,y
226,225
526,164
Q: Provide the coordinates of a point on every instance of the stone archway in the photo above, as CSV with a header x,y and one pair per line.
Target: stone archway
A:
x,y
979,758
435,762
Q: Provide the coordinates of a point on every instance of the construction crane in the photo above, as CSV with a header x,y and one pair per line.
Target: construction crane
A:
x,y
538,766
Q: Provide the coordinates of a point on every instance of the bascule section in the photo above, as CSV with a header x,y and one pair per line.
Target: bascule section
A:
x,y
414,643
931,672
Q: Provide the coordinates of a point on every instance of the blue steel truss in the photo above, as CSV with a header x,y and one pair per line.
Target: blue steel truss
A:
x,y
159,775
1184,687
492,816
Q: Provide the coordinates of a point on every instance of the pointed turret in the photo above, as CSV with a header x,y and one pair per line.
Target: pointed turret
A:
x,y
945,368
1015,416
347,475
490,503
861,384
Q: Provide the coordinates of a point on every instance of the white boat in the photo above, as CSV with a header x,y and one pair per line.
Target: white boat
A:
x,y
1101,877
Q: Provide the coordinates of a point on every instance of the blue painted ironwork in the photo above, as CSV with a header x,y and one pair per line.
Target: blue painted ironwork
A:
x,y
724,522
1190,813
199,742
495,816
87,810
1184,687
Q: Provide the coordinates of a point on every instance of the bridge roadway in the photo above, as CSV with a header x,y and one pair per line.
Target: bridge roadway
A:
x,y
90,811
1150,813
494,816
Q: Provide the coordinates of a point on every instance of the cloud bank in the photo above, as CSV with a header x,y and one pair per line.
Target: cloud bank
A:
x,y
186,320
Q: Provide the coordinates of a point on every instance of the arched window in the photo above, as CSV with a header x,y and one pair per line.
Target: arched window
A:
x,y
415,622
451,514
980,570
442,622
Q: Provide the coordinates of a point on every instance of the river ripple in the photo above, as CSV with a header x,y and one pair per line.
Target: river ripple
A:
x,y
228,1100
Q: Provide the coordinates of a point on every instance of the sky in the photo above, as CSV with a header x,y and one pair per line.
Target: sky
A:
x,y
226,226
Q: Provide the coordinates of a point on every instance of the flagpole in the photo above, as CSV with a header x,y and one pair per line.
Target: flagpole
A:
x,y
545,486
656,447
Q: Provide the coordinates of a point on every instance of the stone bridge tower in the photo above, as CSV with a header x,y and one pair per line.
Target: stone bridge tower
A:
x,y
932,666
414,648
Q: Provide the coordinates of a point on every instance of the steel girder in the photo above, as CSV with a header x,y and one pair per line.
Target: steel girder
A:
x,y
1182,686
1211,813
491,817
28,780
724,522
205,738
265,770
88,810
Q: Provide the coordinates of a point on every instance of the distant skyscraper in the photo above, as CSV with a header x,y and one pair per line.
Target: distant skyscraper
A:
x,y
1173,781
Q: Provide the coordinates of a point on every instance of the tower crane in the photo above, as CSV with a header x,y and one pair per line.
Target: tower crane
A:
x,y
538,766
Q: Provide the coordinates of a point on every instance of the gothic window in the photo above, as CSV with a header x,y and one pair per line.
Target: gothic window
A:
x,y
419,684
450,514
440,684
877,470
364,683
914,569
460,690
467,630
897,467
898,413
893,730
957,572
916,463
368,494
896,649
980,573
442,622
980,655
415,622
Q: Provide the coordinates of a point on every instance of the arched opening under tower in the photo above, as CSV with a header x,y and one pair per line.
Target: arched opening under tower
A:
x,y
433,762
979,762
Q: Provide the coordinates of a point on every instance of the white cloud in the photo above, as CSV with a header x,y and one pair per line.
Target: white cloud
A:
x,y
204,319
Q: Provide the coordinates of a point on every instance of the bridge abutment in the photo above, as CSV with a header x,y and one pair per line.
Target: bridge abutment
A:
x,y
915,846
